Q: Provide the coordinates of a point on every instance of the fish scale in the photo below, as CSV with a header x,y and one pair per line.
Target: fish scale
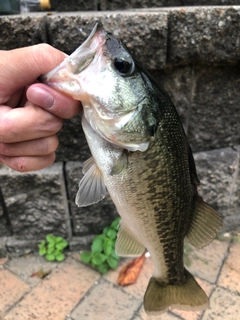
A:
x,y
140,154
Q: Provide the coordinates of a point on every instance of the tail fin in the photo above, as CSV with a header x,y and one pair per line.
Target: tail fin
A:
x,y
188,296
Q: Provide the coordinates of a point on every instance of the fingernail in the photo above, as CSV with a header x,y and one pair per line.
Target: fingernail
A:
x,y
40,97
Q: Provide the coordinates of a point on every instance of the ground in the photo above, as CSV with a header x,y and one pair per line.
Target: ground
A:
x,y
75,291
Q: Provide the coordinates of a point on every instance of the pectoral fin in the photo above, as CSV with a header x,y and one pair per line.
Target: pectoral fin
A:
x,y
127,244
205,225
121,164
91,188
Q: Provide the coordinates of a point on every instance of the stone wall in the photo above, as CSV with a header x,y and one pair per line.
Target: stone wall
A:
x,y
194,52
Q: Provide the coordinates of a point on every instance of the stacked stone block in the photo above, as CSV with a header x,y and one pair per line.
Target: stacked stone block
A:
x,y
194,54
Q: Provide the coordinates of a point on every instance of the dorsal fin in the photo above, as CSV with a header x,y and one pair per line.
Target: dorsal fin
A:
x,y
91,187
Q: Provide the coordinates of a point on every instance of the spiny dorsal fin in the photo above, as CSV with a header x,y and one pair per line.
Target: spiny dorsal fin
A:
x,y
91,188
127,244
205,225
187,296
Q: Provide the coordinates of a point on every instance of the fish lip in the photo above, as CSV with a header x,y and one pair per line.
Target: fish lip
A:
x,y
70,65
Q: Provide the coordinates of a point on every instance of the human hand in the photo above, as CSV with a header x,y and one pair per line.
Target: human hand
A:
x,y
30,113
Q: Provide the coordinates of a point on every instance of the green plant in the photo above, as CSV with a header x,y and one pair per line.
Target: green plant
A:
x,y
102,256
52,248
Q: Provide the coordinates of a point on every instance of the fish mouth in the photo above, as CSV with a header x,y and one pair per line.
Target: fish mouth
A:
x,y
64,76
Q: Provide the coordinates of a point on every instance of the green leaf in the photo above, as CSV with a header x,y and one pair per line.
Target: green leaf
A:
x,y
51,245
60,257
59,239
50,257
115,223
113,263
42,244
64,243
105,230
98,258
103,268
107,246
86,257
114,255
42,251
60,246
97,245
50,250
56,252
50,238
112,233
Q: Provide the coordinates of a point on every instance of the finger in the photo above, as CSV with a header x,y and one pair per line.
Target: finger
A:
x,y
25,65
13,102
26,164
55,102
28,123
38,147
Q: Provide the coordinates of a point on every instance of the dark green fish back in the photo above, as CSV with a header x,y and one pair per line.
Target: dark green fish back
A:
x,y
169,183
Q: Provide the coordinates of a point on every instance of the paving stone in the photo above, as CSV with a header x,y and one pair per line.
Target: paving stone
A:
x,y
106,301
213,123
3,261
24,267
138,289
224,305
217,171
57,294
141,315
206,263
112,275
92,219
12,289
230,274
36,202
204,35
144,33
18,31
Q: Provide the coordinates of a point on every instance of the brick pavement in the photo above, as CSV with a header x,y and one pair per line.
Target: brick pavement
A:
x,y
74,291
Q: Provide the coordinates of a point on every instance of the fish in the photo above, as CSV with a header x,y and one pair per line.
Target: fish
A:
x,y
141,157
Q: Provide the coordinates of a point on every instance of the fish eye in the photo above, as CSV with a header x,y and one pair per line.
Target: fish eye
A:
x,y
124,67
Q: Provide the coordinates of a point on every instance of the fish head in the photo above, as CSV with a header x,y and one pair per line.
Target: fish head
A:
x,y
102,74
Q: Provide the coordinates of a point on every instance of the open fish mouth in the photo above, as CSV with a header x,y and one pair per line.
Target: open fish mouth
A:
x,y
79,60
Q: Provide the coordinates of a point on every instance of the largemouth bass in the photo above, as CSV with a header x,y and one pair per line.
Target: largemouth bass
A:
x,y
140,154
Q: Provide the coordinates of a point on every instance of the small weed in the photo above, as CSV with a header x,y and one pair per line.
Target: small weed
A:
x,y
52,248
102,256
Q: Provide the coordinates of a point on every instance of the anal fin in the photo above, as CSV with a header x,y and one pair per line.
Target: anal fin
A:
x,y
127,244
91,187
205,225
